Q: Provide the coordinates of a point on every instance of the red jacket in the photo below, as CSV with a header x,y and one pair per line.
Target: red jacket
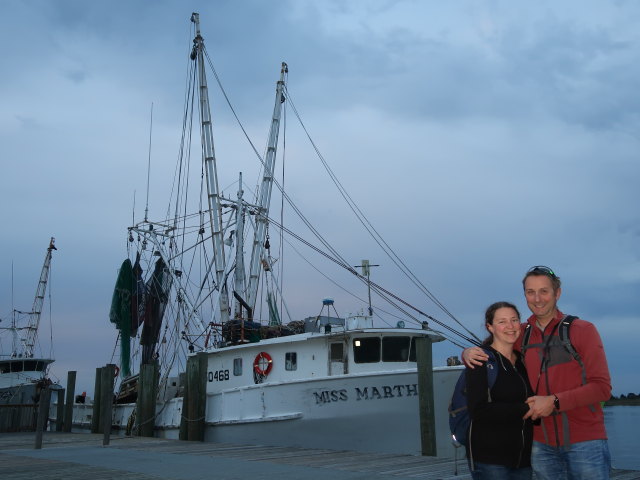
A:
x,y
563,378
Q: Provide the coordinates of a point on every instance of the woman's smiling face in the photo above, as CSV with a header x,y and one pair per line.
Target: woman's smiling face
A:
x,y
506,325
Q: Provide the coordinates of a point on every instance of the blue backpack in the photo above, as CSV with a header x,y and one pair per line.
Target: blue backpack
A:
x,y
459,418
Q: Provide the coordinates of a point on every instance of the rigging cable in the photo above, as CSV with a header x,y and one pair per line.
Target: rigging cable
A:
x,y
280,188
397,261
146,208
283,155
375,286
407,314
51,353
370,228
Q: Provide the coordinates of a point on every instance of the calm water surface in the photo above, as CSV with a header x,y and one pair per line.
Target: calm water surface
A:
x,y
623,430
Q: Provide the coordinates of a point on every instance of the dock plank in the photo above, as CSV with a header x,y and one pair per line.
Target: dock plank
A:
x,y
81,456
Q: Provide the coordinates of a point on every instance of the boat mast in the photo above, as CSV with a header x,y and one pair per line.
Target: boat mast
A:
x,y
36,309
264,196
239,276
213,195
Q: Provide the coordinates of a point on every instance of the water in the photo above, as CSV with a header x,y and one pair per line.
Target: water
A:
x,y
623,430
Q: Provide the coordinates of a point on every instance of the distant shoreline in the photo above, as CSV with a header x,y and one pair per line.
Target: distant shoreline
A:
x,y
622,401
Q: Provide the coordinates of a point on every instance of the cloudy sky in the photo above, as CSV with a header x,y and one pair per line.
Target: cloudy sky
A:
x,y
479,138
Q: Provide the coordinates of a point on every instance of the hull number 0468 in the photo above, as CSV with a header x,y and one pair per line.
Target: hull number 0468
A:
x,y
218,376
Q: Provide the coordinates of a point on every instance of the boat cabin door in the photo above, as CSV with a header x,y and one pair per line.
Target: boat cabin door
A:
x,y
338,364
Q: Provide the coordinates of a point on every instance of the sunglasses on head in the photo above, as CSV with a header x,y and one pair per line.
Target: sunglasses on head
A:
x,y
542,269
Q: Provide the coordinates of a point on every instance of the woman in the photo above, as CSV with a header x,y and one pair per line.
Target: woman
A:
x,y
500,440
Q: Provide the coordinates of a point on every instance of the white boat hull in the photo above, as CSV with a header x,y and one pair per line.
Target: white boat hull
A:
x,y
369,413
369,406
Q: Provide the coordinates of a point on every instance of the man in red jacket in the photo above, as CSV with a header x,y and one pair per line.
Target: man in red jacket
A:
x,y
571,440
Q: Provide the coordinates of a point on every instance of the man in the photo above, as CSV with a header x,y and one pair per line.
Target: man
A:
x,y
571,440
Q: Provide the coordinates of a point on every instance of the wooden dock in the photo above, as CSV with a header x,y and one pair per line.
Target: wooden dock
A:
x,y
81,456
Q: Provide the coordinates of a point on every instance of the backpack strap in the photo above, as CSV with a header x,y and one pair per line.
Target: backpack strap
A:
x,y
566,342
492,370
525,338
563,333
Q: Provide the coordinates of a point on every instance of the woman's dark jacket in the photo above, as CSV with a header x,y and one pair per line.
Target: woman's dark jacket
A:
x,y
498,435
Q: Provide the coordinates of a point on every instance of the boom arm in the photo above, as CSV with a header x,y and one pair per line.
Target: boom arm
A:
x,y
36,310
265,193
215,209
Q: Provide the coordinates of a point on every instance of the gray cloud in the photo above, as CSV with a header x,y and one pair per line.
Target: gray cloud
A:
x,y
479,140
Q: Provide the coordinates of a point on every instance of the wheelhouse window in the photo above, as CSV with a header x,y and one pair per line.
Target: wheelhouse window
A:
x,y
237,366
291,361
366,350
395,349
22,366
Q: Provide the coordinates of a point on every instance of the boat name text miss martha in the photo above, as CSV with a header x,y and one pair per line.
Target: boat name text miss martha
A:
x,y
365,393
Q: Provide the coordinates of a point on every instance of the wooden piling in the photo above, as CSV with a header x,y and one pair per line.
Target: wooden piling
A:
x,y
95,415
60,410
68,411
106,401
147,394
182,433
194,401
425,396
43,415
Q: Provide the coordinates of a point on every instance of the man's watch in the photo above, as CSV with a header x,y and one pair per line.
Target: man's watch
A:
x,y
556,402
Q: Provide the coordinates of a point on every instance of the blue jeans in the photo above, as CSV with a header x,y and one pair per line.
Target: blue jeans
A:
x,y
580,461
489,471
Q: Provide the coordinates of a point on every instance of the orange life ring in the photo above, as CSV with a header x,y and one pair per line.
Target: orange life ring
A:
x,y
262,364
117,371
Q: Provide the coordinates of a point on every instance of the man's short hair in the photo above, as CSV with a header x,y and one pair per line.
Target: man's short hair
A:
x,y
541,270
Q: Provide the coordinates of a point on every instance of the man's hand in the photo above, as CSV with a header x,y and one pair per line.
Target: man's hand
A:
x,y
540,406
474,356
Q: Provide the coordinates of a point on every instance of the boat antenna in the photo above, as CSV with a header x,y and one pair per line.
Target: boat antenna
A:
x,y
13,315
146,207
366,272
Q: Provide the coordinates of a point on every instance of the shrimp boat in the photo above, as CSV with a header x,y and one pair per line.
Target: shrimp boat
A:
x,y
209,283
23,373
